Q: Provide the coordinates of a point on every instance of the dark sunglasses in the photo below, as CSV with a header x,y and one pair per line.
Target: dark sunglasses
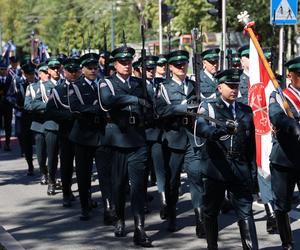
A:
x,y
161,64
54,68
179,65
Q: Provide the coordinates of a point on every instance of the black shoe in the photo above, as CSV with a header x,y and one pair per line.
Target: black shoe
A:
x,y
200,229
109,217
85,215
172,220
140,237
30,172
163,213
44,180
67,201
120,228
248,233
51,189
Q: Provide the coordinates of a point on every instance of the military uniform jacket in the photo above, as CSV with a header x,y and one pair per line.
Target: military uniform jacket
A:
x,y
154,127
171,105
243,94
126,124
58,108
231,157
5,86
88,128
36,98
208,86
279,120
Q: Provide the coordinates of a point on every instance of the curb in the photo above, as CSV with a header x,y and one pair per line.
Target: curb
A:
x,y
7,242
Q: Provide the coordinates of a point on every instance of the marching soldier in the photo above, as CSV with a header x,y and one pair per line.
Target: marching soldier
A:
x,y
244,58
22,117
87,134
208,85
5,107
228,159
34,91
58,110
284,161
161,67
172,103
123,96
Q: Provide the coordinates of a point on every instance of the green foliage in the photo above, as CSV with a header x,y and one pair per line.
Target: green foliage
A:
x,y
79,24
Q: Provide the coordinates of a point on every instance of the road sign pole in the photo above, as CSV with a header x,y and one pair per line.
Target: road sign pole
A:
x,y
281,50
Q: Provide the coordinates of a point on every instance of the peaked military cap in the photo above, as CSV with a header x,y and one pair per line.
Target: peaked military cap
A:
x,y
28,68
42,67
136,64
89,58
210,54
61,57
111,64
14,59
104,53
151,61
72,64
244,51
53,61
178,57
123,53
229,76
294,64
161,59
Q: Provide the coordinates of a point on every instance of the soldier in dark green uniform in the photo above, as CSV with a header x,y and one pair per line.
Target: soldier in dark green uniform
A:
x,y
208,85
32,92
172,102
284,156
58,110
87,134
161,67
228,159
124,97
22,117
244,58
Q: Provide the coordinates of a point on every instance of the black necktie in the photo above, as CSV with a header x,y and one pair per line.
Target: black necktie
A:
x,y
94,85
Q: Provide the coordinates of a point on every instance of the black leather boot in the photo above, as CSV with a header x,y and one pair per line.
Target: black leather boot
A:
x,y
248,234
172,219
200,229
226,205
163,206
109,216
140,237
211,230
284,229
51,189
120,228
271,219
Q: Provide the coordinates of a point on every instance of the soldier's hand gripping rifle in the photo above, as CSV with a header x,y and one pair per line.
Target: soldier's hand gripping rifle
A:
x,y
106,54
197,62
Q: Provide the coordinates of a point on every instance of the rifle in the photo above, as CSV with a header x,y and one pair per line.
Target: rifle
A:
x,y
143,58
106,64
229,53
197,61
124,39
169,50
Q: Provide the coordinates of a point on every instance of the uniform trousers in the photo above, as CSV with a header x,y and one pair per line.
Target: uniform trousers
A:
x,y
159,165
41,152
6,112
283,182
129,164
51,139
67,154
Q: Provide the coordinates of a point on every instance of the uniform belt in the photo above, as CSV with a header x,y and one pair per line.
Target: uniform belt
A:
x,y
131,122
235,155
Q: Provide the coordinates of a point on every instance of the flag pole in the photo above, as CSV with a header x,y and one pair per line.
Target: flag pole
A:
x,y
244,17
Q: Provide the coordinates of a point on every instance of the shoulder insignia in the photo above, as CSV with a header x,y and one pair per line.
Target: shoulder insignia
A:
x,y
71,92
103,84
272,100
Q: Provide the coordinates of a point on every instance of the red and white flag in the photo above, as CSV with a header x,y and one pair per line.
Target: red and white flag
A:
x,y
260,88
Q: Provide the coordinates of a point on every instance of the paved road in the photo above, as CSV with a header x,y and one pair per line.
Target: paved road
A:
x,y
37,221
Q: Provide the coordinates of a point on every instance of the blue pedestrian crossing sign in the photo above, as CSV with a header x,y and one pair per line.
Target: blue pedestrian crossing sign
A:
x,y
283,12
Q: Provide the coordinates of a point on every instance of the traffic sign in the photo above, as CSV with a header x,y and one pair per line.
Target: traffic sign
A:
x,y
283,12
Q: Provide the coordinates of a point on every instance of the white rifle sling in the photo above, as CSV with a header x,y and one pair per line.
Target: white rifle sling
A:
x,y
57,97
108,84
164,94
78,94
32,92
